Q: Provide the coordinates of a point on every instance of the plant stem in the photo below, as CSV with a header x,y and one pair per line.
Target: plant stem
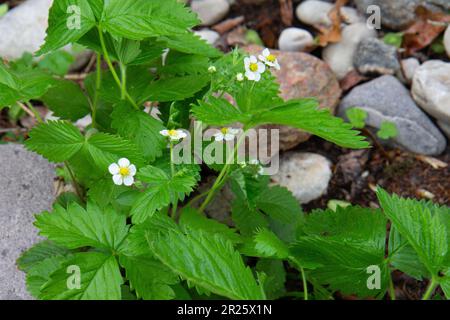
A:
x,y
431,287
123,73
305,284
74,181
98,84
223,174
391,289
35,112
111,68
173,172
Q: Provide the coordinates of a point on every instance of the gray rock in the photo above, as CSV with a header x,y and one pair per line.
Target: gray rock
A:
x,y
210,11
295,39
26,188
447,40
373,56
386,99
399,14
208,35
23,28
306,175
445,127
431,89
315,13
408,69
339,56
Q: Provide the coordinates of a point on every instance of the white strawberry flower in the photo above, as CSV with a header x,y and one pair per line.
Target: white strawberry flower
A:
x,y
226,134
240,77
212,69
174,135
269,59
123,172
253,68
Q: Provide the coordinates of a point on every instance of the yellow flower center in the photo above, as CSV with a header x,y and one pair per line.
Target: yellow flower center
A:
x,y
224,130
271,58
253,67
172,133
124,171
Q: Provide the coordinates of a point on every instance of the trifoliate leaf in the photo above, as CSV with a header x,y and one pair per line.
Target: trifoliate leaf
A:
x,y
67,100
173,89
267,244
387,130
217,112
190,43
191,218
149,277
100,279
421,225
209,262
279,203
38,253
141,128
304,114
162,190
139,19
68,21
357,117
56,140
77,227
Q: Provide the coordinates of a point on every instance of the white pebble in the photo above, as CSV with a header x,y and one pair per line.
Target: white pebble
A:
x,y
295,39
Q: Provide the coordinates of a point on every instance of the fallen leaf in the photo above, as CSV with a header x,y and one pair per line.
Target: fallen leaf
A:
x,y
333,33
287,12
428,26
228,24
435,163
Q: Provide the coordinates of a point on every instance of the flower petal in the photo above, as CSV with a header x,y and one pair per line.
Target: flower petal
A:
x,y
113,168
128,181
118,179
124,163
218,137
229,137
266,52
132,170
253,59
261,67
250,75
246,61
164,132
233,131
257,77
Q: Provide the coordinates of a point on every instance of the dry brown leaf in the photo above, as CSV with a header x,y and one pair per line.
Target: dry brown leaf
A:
x,y
435,163
228,24
332,34
425,30
350,80
287,12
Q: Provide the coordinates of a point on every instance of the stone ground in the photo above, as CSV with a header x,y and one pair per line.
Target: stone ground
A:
x,y
26,188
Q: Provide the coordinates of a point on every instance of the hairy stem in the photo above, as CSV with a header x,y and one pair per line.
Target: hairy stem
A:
x,y
123,73
98,84
218,184
113,71
173,171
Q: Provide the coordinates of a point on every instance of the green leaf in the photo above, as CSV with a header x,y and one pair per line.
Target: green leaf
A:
x,y
279,203
191,218
77,227
141,128
341,246
68,21
387,130
247,218
139,19
274,286
357,117
304,114
162,190
56,140
67,100
421,225
218,112
100,279
173,89
209,262
184,64
57,62
394,39
38,253
149,278
190,43
269,245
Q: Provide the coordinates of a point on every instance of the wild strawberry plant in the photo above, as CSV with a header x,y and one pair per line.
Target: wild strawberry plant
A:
x,y
135,230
